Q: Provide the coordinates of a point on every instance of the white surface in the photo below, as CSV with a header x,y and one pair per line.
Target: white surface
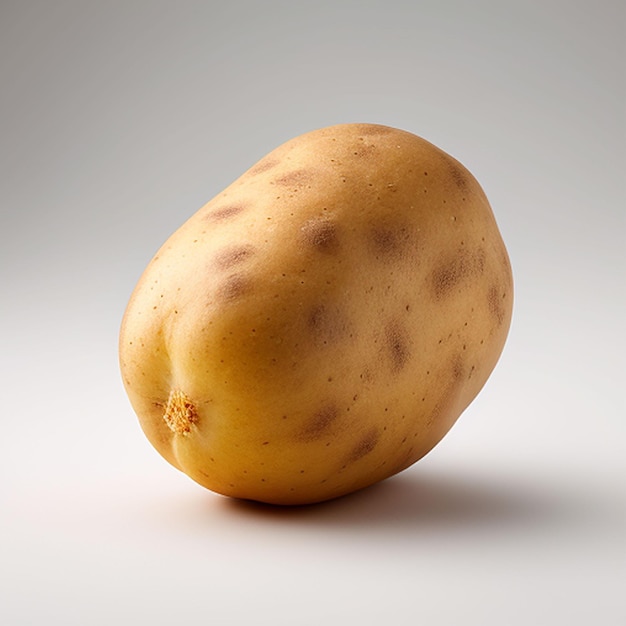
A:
x,y
118,121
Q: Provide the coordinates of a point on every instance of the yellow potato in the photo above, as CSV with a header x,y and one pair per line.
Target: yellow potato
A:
x,y
322,323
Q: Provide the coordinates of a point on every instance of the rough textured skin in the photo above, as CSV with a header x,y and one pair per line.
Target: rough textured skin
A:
x,y
322,323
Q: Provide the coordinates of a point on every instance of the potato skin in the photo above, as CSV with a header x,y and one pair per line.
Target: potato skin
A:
x,y
322,323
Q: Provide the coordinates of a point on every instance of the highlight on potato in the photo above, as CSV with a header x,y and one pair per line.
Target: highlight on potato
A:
x,y
320,324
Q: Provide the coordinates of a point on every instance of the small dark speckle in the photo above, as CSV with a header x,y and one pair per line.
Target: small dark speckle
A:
x,y
364,151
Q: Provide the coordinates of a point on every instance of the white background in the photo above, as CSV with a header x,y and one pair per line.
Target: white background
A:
x,y
118,120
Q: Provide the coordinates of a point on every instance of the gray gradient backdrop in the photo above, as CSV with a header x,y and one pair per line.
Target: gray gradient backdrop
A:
x,y
118,120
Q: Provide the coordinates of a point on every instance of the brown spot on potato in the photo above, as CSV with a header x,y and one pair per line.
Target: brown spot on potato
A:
x,y
326,324
262,166
234,287
390,243
319,424
457,173
458,368
479,260
296,178
233,255
321,234
494,302
397,342
225,212
458,177
451,391
453,271
365,445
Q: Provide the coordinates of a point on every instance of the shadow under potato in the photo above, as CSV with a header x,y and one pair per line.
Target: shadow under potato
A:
x,y
421,499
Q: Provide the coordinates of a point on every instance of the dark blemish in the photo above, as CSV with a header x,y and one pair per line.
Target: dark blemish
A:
x,y
296,178
495,304
263,166
480,260
456,172
458,176
398,346
451,391
319,424
321,234
455,270
366,445
233,255
317,318
458,368
234,287
448,275
225,212
389,243
326,325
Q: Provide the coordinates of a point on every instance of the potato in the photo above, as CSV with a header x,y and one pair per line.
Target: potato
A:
x,y
320,324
